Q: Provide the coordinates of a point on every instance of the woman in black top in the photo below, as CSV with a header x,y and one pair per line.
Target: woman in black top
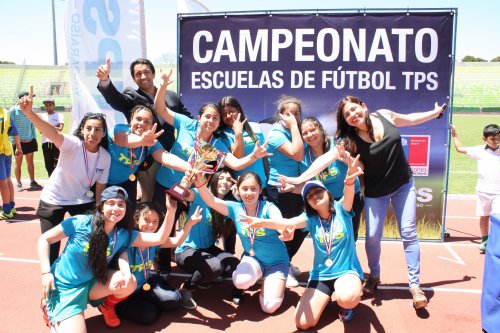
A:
x,y
388,179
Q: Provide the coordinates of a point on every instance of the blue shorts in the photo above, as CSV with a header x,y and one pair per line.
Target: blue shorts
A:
x,y
66,302
279,271
5,166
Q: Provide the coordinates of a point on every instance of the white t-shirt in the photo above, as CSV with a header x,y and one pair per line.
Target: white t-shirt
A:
x,y
69,182
488,169
55,119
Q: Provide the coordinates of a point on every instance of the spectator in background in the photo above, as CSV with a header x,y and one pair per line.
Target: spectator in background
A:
x,y
143,74
7,128
49,149
488,171
27,135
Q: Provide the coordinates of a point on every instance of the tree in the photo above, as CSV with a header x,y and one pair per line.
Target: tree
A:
x,y
496,59
469,58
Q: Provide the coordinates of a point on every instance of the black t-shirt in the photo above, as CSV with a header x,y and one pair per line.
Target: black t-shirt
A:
x,y
386,166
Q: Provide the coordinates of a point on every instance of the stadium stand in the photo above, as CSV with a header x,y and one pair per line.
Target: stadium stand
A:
x,y
476,85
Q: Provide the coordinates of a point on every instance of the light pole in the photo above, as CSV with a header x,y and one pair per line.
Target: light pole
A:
x,y
54,32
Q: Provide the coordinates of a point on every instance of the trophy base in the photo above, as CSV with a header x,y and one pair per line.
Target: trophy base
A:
x,y
178,192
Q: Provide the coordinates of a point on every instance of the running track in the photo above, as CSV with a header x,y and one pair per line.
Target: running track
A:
x,y
451,275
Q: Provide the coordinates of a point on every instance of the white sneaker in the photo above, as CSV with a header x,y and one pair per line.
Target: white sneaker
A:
x,y
295,270
291,281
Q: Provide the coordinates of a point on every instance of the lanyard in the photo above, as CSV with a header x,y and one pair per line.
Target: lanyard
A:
x,y
131,152
86,160
252,232
328,245
145,271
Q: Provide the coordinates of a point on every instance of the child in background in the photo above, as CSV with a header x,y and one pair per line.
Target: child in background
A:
x,y
488,171
7,128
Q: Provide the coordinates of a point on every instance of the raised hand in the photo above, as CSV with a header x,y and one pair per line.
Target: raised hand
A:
x,y
238,124
149,138
104,70
260,151
288,180
170,203
165,78
196,217
288,120
354,169
26,102
287,234
284,186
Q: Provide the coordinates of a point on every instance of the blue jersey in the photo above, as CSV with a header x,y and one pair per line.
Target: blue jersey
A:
x,y
72,267
279,163
343,253
121,160
201,235
334,175
138,259
186,130
269,249
257,167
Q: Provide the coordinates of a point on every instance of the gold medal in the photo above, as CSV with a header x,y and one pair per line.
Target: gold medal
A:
x,y
328,262
251,252
146,286
131,177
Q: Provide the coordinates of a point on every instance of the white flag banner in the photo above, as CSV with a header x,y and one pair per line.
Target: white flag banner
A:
x,y
191,6
94,30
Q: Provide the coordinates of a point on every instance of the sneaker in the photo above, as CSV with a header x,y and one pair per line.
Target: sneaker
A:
x,y
35,186
5,216
295,270
345,315
13,211
19,187
110,318
237,296
45,316
205,285
218,279
291,281
419,299
370,285
187,301
482,246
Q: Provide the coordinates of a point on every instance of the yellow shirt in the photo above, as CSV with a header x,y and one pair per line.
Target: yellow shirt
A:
x,y
5,144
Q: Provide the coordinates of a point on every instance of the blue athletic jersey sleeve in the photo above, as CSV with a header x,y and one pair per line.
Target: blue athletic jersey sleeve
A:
x,y
269,249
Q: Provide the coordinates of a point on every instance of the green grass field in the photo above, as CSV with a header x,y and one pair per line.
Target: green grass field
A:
x,y
463,170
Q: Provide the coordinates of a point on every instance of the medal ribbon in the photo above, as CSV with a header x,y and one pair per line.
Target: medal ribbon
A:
x,y
131,152
146,267
86,160
328,245
252,232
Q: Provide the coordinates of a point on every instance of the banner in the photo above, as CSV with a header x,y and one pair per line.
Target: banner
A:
x,y
95,29
397,60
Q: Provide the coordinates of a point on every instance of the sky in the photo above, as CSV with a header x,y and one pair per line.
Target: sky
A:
x,y
27,25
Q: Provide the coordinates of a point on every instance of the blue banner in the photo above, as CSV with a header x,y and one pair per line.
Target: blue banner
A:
x,y
401,61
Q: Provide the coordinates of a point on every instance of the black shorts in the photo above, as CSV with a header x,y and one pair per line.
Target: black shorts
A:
x,y
28,147
326,287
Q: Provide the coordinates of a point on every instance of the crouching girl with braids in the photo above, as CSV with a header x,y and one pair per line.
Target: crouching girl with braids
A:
x,y
81,274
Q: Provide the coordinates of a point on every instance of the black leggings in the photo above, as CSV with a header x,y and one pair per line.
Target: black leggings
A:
x,y
290,205
52,215
205,264
144,307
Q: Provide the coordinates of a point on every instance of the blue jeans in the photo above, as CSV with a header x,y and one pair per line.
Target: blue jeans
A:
x,y
404,202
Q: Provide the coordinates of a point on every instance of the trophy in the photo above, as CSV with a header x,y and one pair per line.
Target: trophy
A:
x,y
206,159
